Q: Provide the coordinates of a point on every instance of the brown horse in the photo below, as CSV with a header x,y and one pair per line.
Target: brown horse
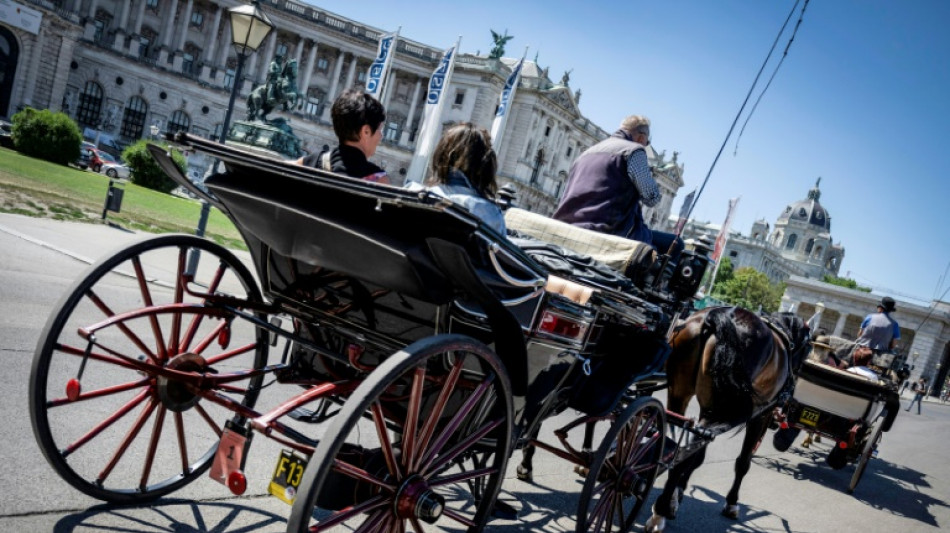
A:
x,y
737,365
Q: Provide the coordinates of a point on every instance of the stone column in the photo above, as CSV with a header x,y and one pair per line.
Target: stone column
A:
x,y
267,57
308,70
210,44
168,33
298,53
334,85
839,326
136,45
93,5
411,117
119,44
225,49
180,45
36,57
351,75
388,89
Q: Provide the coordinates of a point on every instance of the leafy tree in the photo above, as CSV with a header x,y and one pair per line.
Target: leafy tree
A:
x,y
844,282
145,170
750,288
43,134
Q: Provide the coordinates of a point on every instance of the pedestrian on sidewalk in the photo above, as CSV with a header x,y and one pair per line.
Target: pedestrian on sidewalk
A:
x,y
920,389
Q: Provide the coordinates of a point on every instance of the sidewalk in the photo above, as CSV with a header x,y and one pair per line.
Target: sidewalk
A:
x,y
85,242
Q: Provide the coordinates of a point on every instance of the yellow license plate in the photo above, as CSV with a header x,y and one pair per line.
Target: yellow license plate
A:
x,y
809,417
287,476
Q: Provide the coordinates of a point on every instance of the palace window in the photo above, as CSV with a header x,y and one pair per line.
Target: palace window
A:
x,y
133,120
188,63
90,104
100,29
809,245
197,18
323,64
459,96
393,129
179,121
151,3
792,239
282,50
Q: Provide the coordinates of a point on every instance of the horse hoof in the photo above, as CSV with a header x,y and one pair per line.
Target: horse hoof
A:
x,y
675,500
524,474
731,511
656,524
581,470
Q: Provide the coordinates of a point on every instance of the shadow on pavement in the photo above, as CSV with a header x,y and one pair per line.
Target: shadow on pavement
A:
x,y
180,516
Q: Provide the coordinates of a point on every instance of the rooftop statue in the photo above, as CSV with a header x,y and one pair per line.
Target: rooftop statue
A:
x,y
279,90
499,49
566,78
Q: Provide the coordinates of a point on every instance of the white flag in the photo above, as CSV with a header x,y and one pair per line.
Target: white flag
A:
x,y
432,115
684,212
504,104
380,66
721,240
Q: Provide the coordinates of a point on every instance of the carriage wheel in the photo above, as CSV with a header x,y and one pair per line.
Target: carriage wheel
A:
x,y
624,469
117,431
869,446
424,440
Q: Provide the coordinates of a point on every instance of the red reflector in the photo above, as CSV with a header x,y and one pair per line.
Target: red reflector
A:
x,y
843,445
73,389
562,326
783,425
237,482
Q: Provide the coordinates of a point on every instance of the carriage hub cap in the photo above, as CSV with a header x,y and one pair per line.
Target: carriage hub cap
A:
x,y
175,395
416,499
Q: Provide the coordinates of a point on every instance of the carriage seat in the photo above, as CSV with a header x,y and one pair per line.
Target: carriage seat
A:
x,y
839,392
631,258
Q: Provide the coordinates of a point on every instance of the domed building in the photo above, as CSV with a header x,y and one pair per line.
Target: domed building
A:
x,y
799,245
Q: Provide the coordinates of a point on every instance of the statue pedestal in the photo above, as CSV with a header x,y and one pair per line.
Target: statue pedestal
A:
x,y
274,136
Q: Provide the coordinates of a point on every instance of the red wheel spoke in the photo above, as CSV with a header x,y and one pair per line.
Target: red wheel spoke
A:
x,y
384,442
129,437
370,505
197,319
96,356
182,445
464,476
455,515
456,420
152,446
412,419
207,340
139,398
147,299
179,298
447,388
417,525
98,393
207,418
618,511
223,356
599,511
359,474
123,328
462,446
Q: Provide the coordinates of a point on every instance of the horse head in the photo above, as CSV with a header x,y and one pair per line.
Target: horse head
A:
x,y
799,338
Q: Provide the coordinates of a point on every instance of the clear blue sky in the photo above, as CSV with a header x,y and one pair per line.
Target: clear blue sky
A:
x,y
862,100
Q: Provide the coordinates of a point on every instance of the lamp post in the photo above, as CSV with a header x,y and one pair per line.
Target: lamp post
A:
x,y
249,27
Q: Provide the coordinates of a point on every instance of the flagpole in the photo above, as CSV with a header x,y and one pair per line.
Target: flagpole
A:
x,y
724,235
432,115
505,100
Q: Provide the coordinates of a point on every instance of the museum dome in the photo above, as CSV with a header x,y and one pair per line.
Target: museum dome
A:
x,y
808,210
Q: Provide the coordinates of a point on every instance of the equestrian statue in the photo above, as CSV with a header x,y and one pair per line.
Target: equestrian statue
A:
x,y
280,89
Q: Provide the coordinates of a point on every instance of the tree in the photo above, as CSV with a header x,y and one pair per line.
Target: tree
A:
x,y
44,134
844,282
145,170
750,289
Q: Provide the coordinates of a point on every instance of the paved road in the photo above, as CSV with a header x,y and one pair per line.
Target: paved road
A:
x,y
906,489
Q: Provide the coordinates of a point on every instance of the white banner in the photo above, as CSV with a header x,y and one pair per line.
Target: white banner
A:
x,y
380,66
20,16
432,115
721,240
504,104
684,212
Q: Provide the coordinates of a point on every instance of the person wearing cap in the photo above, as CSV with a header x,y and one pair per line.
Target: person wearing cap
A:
x,y
607,184
879,331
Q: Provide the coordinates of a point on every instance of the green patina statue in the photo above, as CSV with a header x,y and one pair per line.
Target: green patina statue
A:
x,y
499,49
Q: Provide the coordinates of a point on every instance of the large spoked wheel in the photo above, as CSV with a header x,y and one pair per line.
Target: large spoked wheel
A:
x,y
866,453
421,445
624,469
106,422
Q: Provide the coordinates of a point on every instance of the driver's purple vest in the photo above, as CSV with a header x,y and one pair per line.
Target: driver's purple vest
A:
x,y
600,195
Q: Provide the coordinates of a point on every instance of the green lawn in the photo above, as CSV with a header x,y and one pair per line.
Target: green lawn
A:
x,y
39,188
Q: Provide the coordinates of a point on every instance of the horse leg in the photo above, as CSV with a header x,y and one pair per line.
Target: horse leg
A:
x,y
587,448
525,469
754,433
667,504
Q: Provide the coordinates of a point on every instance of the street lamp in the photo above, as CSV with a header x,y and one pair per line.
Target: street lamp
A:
x,y
249,27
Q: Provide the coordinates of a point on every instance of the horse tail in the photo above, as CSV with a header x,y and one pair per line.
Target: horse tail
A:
x,y
734,396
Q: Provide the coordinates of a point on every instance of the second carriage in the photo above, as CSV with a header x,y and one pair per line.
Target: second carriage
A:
x,y
423,347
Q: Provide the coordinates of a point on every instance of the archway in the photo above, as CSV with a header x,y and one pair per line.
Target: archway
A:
x,y
9,55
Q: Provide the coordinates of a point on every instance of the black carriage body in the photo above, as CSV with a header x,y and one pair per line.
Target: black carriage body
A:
x,y
366,269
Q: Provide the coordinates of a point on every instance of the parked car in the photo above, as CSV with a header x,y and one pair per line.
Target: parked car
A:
x,y
99,158
115,170
85,154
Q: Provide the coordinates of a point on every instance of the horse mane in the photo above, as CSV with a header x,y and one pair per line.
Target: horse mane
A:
x,y
734,396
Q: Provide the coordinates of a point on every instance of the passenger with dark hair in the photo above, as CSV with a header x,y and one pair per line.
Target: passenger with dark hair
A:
x,y
462,169
357,121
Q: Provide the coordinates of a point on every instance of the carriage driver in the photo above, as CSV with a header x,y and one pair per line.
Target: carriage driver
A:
x,y
879,331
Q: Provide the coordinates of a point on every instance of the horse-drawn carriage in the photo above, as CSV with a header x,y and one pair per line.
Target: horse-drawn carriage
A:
x,y
853,410
422,349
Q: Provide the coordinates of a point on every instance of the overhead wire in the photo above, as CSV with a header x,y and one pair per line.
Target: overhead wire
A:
x,y
741,109
774,72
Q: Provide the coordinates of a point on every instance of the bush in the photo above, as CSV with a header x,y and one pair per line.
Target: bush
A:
x,y
145,170
44,134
